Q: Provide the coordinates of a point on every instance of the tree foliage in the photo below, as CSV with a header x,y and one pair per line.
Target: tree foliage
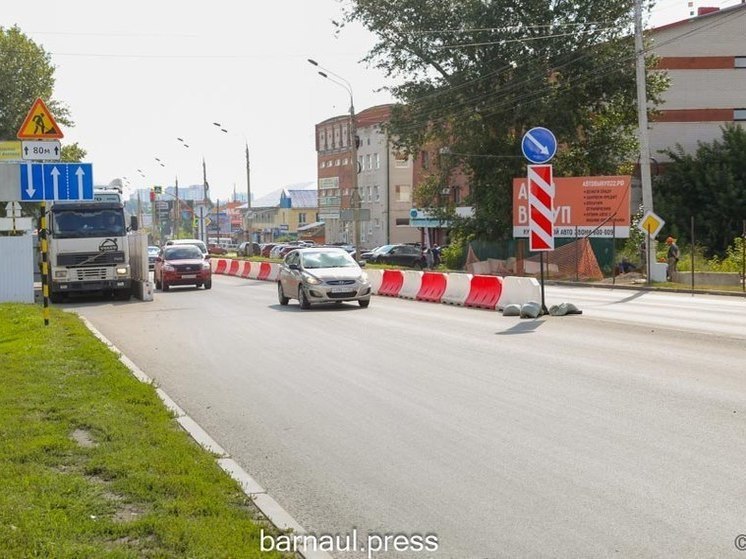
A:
x,y
26,72
710,186
476,74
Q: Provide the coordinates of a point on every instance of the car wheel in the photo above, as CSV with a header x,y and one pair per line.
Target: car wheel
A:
x,y
164,285
303,299
281,295
208,284
364,303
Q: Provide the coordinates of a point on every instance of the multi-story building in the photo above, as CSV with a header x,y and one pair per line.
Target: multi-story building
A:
x,y
705,59
281,212
385,180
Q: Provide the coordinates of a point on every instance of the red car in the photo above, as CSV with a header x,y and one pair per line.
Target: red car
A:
x,y
182,265
216,249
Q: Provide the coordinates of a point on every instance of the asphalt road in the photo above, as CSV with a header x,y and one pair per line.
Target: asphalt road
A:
x,y
619,433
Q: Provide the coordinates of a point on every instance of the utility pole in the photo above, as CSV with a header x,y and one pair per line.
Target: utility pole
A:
x,y
205,188
355,198
177,212
250,250
642,111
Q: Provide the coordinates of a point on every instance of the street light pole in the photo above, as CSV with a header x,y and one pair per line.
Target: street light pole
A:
x,y
355,197
248,191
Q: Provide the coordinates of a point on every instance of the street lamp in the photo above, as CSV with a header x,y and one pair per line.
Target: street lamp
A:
x,y
355,198
248,191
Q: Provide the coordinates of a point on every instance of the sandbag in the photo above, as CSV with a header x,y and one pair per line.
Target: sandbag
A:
x,y
563,309
513,309
530,310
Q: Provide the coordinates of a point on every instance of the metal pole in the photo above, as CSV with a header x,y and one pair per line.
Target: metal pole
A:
x,y
648,249
541,269
692,251
613,250
743,256
577,264
44,262
250,247
177,210
355,202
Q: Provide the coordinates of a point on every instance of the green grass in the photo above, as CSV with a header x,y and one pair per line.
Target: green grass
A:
x,y
140,488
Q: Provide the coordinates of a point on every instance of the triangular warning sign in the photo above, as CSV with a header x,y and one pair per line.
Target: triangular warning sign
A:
x,y
39,124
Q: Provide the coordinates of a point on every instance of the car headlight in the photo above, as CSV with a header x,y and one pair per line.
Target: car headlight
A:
x,y
122,271
363,278
168,268
60,274
205,265
311,280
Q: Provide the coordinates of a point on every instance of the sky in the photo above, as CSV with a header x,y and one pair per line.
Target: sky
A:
x,y
138,75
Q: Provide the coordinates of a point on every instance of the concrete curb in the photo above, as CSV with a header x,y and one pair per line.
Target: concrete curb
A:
x,y
645,288
270,508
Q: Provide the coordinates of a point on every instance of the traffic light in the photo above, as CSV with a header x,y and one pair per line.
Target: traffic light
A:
x,y
152,195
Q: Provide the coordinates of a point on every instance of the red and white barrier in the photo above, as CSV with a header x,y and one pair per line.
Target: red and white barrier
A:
x,y
375,277
518,290
391,283
457,289
411,284
218,265
484,292
433,287
274,271
245,269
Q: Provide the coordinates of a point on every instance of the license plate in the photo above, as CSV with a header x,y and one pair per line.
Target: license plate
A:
x,y
342,289
189,276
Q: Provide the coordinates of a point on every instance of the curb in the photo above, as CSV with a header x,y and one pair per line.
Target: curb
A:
x,y
646,288
271,509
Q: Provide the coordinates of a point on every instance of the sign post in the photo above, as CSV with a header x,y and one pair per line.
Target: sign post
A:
x,y
539,146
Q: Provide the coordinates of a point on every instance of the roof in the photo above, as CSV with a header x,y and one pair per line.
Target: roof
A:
x,y
719,12
272,200
303,198
313,225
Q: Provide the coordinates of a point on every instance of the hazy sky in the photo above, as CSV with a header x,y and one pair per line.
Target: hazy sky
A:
x,y
136,75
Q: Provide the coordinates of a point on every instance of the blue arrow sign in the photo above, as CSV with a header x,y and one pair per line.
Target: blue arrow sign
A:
x,y
56,181
539,145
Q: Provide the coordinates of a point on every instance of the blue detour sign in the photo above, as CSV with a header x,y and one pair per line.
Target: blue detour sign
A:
x,y
56,181
539,145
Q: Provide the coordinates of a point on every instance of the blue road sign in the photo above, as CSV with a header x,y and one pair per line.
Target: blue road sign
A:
x,y
539,145
56,181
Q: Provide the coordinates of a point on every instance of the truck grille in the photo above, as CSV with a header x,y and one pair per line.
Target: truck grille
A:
x,y
86,274
90,258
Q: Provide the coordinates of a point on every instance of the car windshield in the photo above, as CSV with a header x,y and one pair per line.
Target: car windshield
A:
x,y
88,223
186,252
382,250
197,243
153,250
330,259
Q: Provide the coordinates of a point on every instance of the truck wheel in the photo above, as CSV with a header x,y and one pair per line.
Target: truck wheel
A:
x,y
164,285
123,294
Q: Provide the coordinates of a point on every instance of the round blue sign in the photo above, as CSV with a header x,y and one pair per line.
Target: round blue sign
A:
x,y
539,145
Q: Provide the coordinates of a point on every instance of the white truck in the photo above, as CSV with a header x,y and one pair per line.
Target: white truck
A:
x,y
88,247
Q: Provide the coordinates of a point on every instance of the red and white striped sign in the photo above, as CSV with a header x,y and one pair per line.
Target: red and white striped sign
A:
x,y
541,208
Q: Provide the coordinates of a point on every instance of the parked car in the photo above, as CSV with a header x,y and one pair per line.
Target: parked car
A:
x,y
182,265
196,242
153,252
216,249
275,251
266,249
322,275
243,249
368,254
399,255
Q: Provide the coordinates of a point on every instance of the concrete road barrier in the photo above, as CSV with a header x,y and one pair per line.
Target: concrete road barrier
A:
x,y
518,290
433,287
375,277
484,292
457,289
391,283
411,284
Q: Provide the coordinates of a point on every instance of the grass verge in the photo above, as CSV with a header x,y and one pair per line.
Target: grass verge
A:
x,y
93,465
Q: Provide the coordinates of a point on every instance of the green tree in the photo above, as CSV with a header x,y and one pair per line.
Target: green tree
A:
x,y
710,186
26,73
476,74
73,153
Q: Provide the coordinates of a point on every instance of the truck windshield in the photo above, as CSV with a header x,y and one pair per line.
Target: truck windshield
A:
x,y
88,223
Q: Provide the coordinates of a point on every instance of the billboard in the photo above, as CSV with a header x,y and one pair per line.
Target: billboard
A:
x,y
580,202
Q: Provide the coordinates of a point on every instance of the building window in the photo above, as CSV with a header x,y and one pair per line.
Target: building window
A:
x,y
376,161
402,222
376,194
370,195
322,140
344,135
368,161
739,114
740,62
376,222
401,163
346,161
403,193
425,160
301,219
337,162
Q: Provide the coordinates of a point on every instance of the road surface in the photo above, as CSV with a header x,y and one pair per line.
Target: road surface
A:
x,y
619,433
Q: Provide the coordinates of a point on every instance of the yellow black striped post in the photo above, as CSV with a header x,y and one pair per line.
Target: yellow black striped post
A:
x,y
44,263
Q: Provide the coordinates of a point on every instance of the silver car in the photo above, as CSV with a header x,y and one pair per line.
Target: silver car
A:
x,y
322,275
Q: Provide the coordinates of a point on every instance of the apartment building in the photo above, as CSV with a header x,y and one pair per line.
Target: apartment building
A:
x,y
705,59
